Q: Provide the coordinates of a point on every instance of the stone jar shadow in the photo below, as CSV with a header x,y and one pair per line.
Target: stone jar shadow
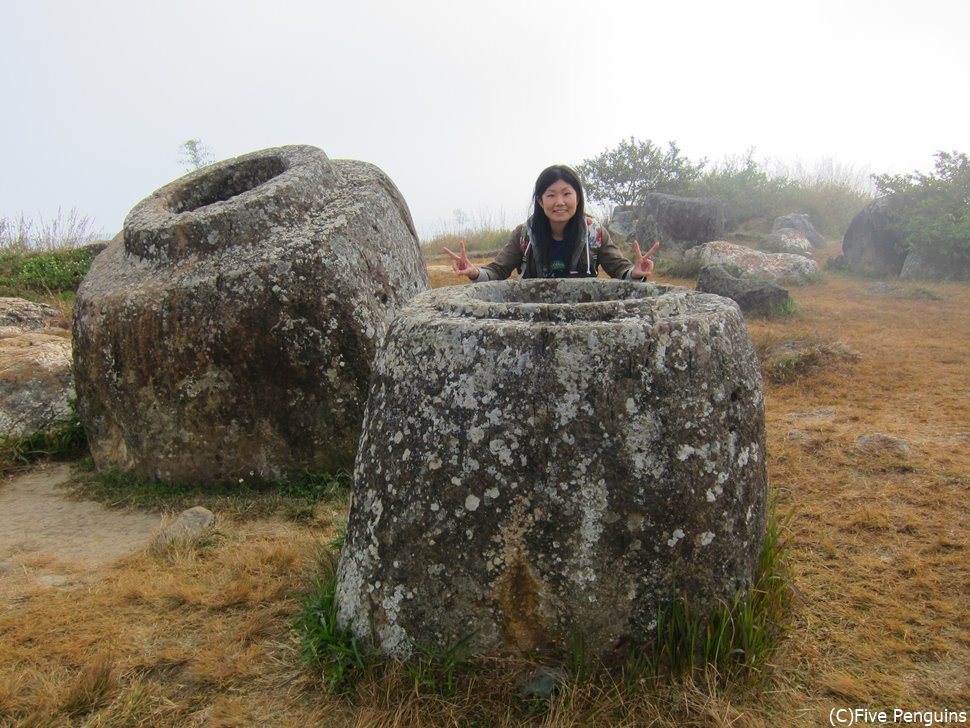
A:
x,y
227,334
547,461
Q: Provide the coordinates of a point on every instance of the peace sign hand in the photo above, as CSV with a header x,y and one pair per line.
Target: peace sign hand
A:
x,y
643,267
460,263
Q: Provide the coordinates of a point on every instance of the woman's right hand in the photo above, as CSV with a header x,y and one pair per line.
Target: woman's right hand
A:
x,y
460,263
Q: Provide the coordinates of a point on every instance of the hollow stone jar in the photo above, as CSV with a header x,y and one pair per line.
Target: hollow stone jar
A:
x,y
228,332
547,461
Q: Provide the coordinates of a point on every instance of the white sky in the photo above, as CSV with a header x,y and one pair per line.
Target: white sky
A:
x,y
462,104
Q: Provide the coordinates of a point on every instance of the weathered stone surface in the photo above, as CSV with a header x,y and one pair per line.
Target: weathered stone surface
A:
x,y
788,240
753,263
548,460
36,382
228,332
680,222
919,267
191,526
22,315
877,442
802,223
624,220
869,246
761,298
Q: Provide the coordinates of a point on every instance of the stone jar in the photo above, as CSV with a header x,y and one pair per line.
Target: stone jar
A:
x,y
227,334
546,461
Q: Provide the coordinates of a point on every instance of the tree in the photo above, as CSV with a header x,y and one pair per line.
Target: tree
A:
x,y
932,212
625,174
193,154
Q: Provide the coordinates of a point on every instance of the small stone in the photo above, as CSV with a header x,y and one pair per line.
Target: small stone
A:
x,y
542,682
878,441
189,528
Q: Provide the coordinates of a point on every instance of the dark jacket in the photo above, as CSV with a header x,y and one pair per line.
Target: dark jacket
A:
x,y
591,249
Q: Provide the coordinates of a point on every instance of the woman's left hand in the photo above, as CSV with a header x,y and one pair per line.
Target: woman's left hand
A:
x,y
643,266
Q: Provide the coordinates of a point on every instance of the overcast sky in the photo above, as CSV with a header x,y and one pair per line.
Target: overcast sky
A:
x,y
462,104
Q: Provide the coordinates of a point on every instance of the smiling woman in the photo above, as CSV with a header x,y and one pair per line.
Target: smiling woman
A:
x,y
558,241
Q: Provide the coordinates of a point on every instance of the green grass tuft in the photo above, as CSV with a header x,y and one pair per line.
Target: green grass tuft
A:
x,y
733,638
334,651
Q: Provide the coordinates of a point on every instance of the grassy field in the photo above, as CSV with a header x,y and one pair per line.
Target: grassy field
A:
x,y
878,536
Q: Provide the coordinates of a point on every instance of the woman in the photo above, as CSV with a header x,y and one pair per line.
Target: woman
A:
x,y
558,241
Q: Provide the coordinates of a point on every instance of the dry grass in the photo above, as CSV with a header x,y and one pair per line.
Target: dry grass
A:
x,y
878,538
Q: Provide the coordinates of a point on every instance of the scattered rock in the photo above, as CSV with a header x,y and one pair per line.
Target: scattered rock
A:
x,y
191,527
754,297
679,222
542,682
486,506
788,240
870,246
879,442
36,380
802,223
16,313
748,263
624,221
228,332
918,267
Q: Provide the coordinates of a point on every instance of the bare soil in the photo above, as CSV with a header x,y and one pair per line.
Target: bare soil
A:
x,y
49,540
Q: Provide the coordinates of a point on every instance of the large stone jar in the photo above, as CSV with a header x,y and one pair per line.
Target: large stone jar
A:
x,y
227,334
547,461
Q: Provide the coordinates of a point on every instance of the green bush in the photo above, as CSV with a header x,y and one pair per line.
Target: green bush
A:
x,y
931,212
28,274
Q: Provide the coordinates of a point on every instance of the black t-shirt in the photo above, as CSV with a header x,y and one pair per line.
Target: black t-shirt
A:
x,y
557,259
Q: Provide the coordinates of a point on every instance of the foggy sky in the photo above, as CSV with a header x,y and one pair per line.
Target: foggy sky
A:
x,y
462,104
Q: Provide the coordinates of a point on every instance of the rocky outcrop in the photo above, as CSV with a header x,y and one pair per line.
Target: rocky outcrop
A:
x,y
680,222
748,263
228,332
36,382
758,298
800,222
870,246
548,461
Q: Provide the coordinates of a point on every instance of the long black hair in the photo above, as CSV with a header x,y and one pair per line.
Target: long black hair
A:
x,y
541,229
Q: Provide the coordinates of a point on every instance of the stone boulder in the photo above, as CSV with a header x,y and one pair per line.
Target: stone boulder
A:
x,y
544,461
788,240
920,267
870,246
759,298
624,220
36,381
802,223
680,222
228,332
748,263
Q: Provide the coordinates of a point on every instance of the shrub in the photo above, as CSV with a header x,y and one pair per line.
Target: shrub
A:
x,y
830,196
28,274
931,212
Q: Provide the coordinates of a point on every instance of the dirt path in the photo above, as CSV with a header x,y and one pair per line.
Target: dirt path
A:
x,y
49,540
